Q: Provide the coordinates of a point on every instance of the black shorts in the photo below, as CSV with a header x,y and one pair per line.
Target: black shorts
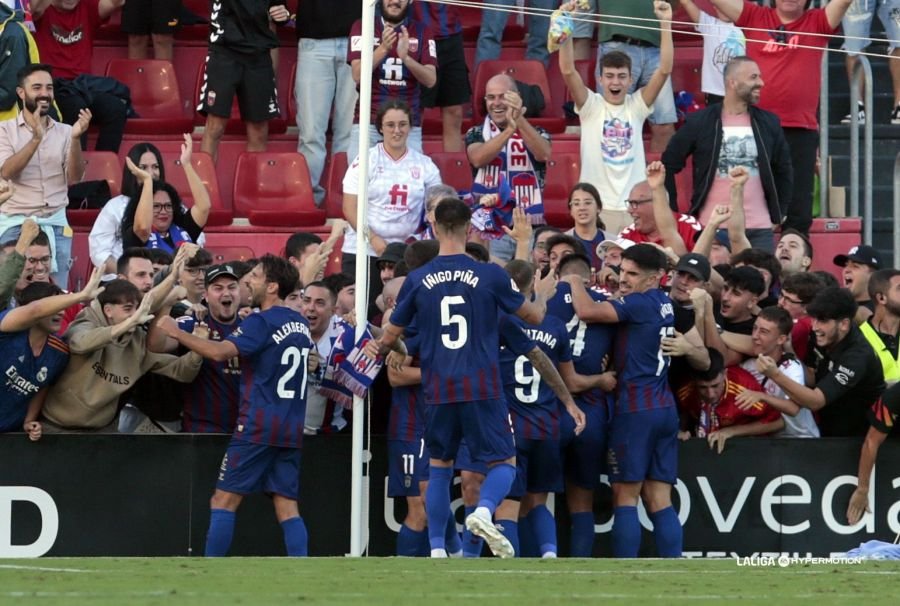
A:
x,y
250,77
452,86
143,17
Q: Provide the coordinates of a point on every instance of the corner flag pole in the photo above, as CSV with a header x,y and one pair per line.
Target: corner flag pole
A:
x,y
359,522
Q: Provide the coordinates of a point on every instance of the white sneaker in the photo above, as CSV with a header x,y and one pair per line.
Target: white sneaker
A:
x,y
483,527
895,115
439,553
861,113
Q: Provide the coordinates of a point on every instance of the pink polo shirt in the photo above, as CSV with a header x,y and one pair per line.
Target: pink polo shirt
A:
x,y
41,187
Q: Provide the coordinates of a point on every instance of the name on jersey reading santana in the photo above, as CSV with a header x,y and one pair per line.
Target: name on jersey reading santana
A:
x,y
467,276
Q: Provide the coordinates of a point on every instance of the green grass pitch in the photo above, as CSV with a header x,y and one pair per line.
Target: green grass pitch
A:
x,y
424,582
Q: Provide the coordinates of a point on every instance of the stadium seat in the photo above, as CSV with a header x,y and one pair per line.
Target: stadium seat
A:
x,y
234,126
223,254
552,117
563,171
155,96
273,189
98,166
334,195
686,72
455,169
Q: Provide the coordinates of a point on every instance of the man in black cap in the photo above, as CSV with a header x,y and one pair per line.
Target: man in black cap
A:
x,y
686,348
393,254
859,263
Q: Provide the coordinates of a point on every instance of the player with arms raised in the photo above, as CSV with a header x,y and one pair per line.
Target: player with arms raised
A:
x,y
264,452
455,303
643,439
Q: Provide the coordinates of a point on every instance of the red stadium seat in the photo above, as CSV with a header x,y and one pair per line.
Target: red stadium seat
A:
x,y
221,212
552,117
154,94
334,196
273,189
455,169
563,171
98,166
223,254
686,72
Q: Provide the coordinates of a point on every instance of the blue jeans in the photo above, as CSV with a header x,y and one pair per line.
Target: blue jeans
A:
x,y
644,61
413,142
63,252
494,21
324,81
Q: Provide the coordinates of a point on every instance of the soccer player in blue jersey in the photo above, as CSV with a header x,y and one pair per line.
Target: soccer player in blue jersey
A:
x,y
534,391
31,355
584,454
455,303
264,453
643,442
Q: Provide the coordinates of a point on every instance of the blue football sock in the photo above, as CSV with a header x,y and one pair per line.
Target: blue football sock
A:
x,y
296,539
528,547
510,530
221,530
451,536
544,527
581,539
437,504
472,544
667,532
497,482
626,533
410,542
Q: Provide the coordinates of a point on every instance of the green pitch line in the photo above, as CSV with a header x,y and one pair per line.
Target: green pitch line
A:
x,y
423,582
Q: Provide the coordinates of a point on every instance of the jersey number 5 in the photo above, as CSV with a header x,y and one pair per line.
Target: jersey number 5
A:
x,y
293,358
448,320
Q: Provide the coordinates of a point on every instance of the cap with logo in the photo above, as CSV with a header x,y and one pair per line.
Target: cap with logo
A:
x,y
695,264
217,271
867,255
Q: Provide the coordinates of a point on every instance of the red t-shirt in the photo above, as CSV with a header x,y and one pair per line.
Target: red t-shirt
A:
x,y
800,337
726,413
688,228
792,75
65,39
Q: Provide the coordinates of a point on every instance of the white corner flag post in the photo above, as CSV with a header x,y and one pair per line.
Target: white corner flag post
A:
x,y
359,521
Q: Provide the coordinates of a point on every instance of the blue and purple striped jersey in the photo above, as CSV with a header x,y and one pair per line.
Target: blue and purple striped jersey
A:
x,y
441,19
407,421
533,405
25,374
591,343
212,400
641,368
590,248
274,347
455,302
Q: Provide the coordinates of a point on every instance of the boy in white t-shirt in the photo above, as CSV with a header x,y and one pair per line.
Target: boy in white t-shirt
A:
x,y
771,331
722,40
612,147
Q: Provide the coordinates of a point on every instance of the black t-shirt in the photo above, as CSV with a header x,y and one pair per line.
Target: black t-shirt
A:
x,y
186,222
884,412
323,19
744,327
851,378
242,26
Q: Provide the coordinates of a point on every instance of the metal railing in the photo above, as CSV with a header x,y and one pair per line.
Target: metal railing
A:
x,y
896,247
862,74
824,164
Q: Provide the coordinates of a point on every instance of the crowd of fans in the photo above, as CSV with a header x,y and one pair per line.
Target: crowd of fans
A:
x,y
762,344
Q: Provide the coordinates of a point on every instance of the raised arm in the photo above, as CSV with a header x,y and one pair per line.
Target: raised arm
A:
x,y
571,76
737,233
25,316
731,8
650,92
202,203
835,11
108,7
586,308
662,214
142,224
692,10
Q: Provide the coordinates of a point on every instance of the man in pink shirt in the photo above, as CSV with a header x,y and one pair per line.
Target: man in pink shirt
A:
x,y
40,157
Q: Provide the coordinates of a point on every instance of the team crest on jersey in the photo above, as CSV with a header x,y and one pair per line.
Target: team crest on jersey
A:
x,y
42,374
432,48
356,43
407,481
414,172
413,45
211,98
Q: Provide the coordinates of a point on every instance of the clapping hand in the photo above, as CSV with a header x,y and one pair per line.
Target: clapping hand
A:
x,y
81,124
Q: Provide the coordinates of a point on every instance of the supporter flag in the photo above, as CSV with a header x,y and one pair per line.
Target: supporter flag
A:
x,y
357,371
330,387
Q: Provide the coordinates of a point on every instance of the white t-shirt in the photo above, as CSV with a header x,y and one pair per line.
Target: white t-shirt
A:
x,y
612,146
396,194
316,403
804,424
105,239
721,42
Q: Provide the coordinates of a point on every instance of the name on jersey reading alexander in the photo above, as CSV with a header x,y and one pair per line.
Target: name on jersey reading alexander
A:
x,y
467,276
289,329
